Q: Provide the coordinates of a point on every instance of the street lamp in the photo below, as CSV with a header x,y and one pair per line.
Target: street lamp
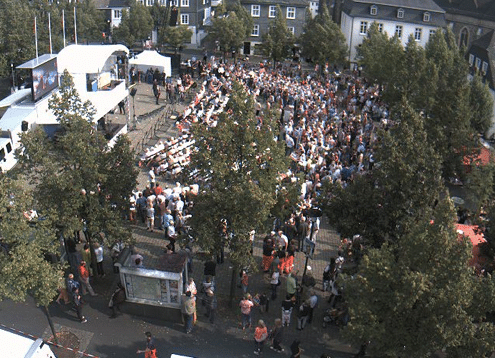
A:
x,y
133,94
13,77
309,244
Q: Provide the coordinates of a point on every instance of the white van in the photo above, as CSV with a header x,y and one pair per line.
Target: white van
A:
x,y
13,345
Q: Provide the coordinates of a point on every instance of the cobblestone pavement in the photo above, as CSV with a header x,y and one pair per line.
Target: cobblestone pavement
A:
x,y
316,339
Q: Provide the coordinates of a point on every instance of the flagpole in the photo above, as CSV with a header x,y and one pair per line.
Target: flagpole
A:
x,y
36,37
50,32
75,26
63,24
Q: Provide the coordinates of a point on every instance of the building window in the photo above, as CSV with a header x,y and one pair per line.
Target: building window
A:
x,y
380,27
174,3
292,30
484,68
478,63
479,32
463,39
400,13
398,31
150,2
255,10
426,17
163,2
291,12
272,11
417,34
432,32
373,10
184,3
9,146
117,14
471,59
363,28
256,30
184,19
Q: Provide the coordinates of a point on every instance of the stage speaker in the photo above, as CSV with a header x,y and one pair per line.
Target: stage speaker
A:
x,y
24,126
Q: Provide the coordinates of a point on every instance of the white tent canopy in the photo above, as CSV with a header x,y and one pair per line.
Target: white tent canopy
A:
x,y
153,59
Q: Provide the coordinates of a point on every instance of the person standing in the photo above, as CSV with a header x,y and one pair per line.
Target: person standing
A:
x,y
277,335
76,298
84,278
156,90
150,350
260,336
150,217
295,349
87,256
246,306
287,307
189,310
303,315
313,302
210,304
99,259
291,285
274,283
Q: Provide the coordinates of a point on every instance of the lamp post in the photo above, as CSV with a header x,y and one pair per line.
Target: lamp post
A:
x,y
133,94
309,245
13,77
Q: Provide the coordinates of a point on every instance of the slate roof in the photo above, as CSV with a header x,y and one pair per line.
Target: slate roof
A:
x,y
295,3
486,44
387,11
479,9
106,4
422,5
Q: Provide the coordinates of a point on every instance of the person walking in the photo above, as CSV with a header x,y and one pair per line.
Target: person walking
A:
x,y
118,297
246,306
277,335
77,300
84,278
150,350
260,336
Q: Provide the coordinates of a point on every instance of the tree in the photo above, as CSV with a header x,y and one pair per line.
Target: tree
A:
x,y
242,163
381,57
136,25
81,180
16,32
322,40
417,296
24,243
176,36
481,104
406,182
230,31
278,42
90,22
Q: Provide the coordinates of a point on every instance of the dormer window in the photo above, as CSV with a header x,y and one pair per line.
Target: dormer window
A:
x,y
400,13
373,10
426,17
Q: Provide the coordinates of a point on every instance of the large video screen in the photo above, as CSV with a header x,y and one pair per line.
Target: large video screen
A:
x,y
45,79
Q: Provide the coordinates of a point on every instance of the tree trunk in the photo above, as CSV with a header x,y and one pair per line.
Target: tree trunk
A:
x,y
50,322
232,286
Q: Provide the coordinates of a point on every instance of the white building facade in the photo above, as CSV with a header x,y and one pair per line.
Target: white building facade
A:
x,y
403,18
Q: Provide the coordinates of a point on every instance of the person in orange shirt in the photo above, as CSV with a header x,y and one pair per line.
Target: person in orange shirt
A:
x,y
84,278
150,351
260,336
